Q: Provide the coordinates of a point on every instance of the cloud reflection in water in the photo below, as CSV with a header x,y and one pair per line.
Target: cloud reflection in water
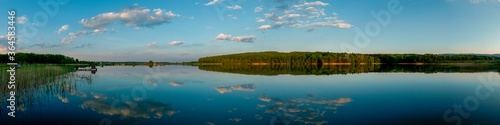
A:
x,y
299,110
144,109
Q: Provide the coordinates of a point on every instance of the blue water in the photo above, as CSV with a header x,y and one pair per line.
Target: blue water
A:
x,y
185,95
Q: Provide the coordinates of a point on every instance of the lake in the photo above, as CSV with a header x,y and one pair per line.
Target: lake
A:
x,y
186,95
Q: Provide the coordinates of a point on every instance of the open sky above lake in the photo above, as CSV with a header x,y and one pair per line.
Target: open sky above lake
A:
x,y
184,30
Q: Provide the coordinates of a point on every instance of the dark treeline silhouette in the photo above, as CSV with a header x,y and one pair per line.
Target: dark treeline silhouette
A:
x,y
32,58
344,69
307,58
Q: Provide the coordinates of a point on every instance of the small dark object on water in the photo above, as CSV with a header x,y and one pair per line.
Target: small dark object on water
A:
x,y
92,68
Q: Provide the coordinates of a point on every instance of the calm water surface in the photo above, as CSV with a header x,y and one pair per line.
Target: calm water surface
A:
x,y
185,95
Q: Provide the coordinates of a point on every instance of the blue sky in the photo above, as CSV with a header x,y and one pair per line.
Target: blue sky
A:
x,y
184,30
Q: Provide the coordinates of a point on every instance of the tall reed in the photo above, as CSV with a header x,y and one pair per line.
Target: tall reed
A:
x,y
29,81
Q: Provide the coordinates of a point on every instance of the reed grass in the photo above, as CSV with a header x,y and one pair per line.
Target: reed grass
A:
x,y
31,78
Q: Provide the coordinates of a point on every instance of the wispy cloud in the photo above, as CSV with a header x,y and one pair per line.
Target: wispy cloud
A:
x,y
292,14
104,30
258,9
246,39
134,16
213,2
259,20
72,36
223,37
176,43
152,45
21,19
228,37
63,28
194,45
3,39
235,7
265,27
44,45
85,45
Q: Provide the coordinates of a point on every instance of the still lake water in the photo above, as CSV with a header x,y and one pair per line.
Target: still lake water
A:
x,y
185,95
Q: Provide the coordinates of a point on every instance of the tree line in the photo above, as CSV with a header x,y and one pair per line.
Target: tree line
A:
x,y
32,58
306,58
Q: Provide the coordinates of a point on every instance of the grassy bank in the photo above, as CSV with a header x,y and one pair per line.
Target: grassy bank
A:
x,y
30,76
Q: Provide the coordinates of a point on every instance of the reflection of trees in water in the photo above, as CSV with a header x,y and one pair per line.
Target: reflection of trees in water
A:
x,y
299,110
343,69
289,69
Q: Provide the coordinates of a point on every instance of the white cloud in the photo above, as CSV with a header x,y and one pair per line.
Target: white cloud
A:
x,y
99,21
76,35
135,17
261,20
247,39
235,7
152,45
21,19
258,9
213,2
264,27
222,36
176,43
316,3
99,31
293,14
66,40
63,28
72,36
324,24
3,39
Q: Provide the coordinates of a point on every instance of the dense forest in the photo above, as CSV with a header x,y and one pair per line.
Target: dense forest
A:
x,y
32,58
322,58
